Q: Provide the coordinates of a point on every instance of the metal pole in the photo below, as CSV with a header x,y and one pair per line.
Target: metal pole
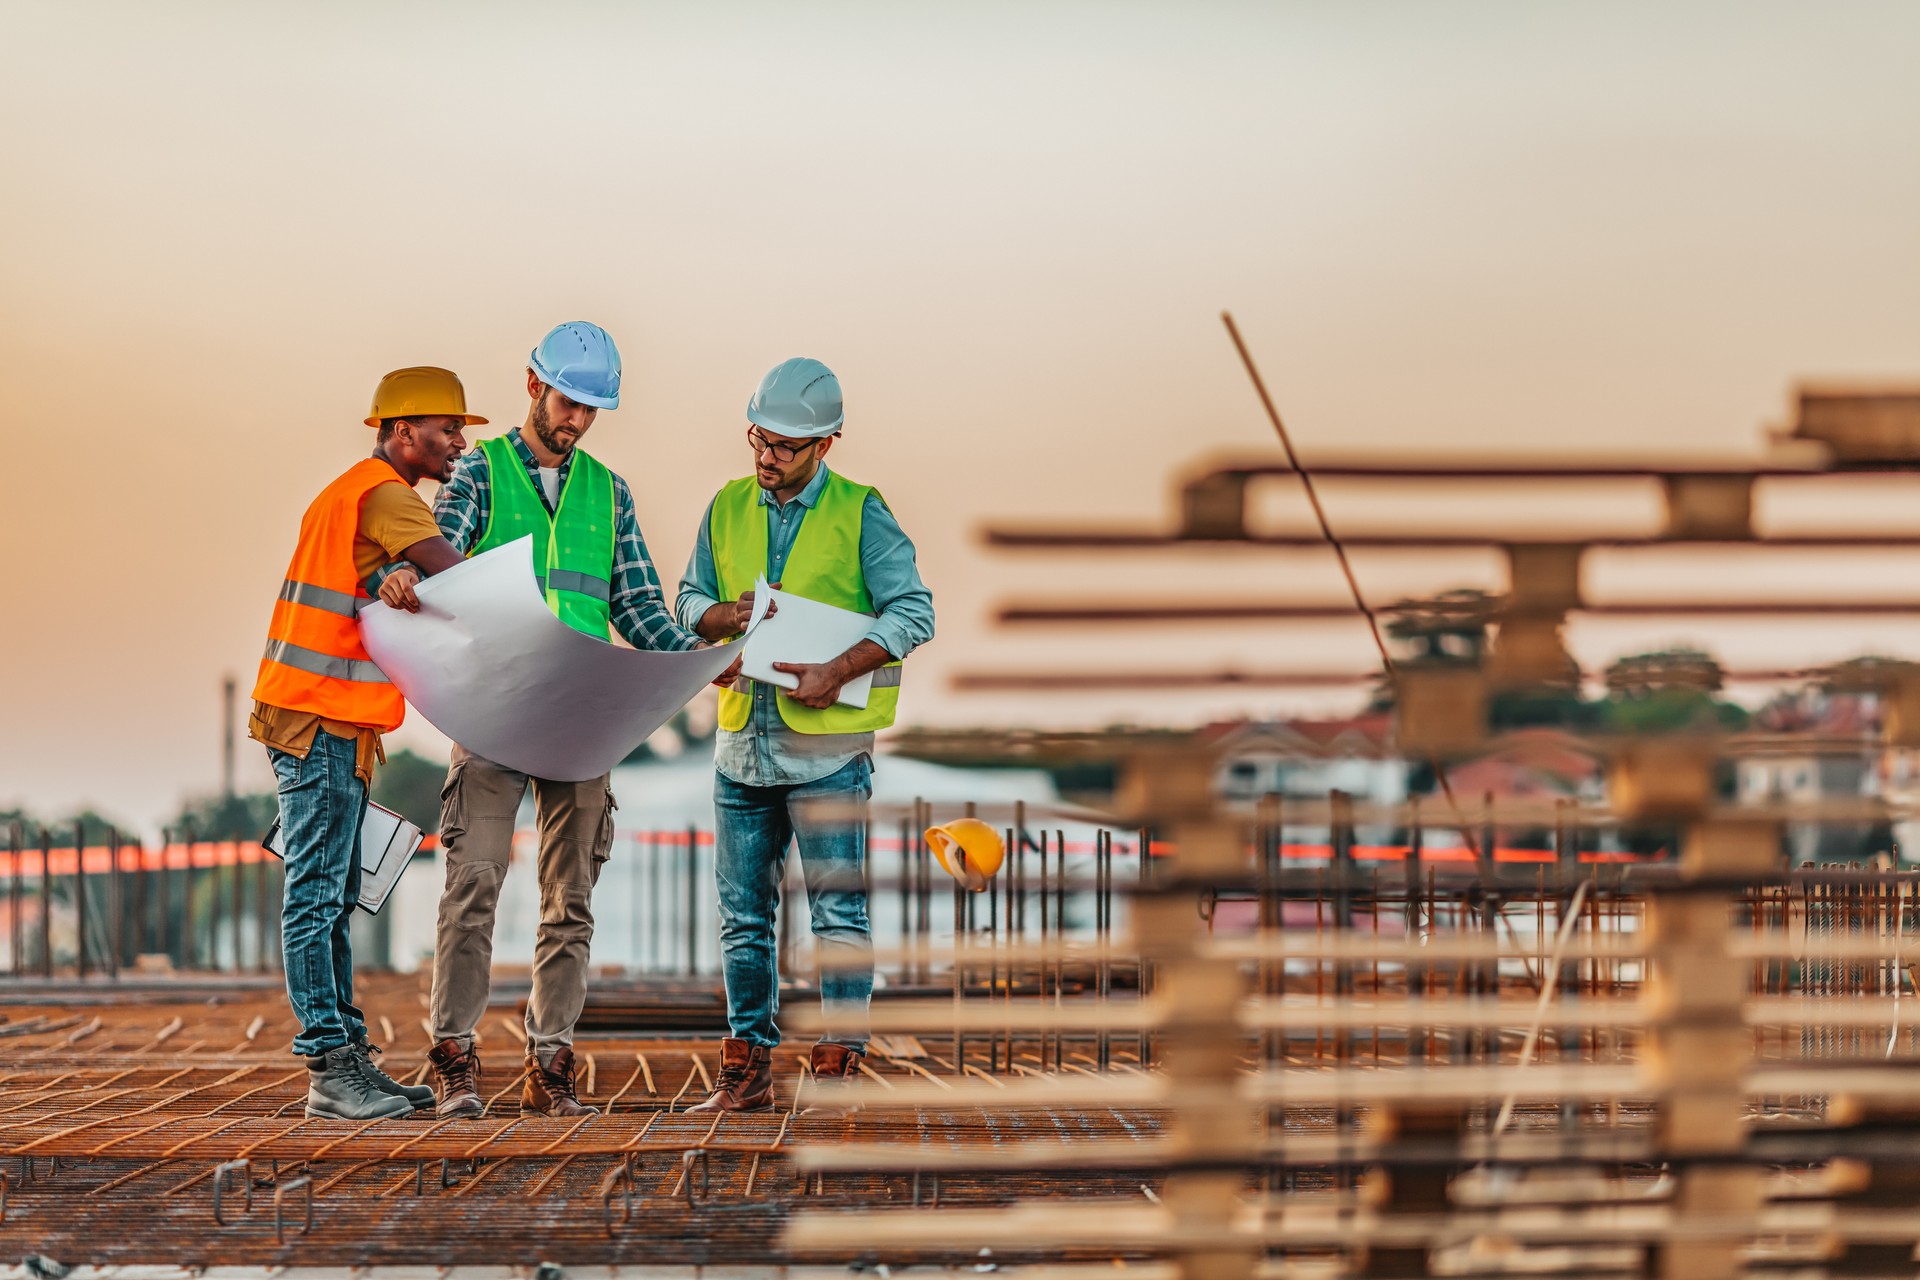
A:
x,y
210,958
15,839
959,969
922,889
1486,973
263,870
1418,976
1045,972
161,896
113,904
46,903
1145,974
240,878
227,876
1102,907
137,921
1060,936
237,910
1017,884
1566,853
80,896
994,895
693,902
189,926
121,906
656,959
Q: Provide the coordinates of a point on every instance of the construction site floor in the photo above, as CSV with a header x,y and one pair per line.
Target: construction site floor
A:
x,y
163,1126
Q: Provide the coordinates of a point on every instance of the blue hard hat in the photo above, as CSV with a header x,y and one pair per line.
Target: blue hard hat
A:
x,y
800,398
579,360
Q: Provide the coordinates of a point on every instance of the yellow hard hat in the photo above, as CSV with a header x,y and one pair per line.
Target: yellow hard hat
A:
x,y
421,392
969,849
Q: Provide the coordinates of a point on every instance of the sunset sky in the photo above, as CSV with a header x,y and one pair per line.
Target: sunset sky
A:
x,y
1479,227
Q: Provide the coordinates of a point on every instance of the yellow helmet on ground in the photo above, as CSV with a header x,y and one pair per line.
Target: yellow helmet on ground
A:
x,y
421,392
969,849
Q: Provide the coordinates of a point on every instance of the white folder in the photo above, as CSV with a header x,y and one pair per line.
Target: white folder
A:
x,y
803,630
387,844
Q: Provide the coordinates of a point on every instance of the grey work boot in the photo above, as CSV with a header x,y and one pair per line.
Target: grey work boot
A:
x,y
418,1096
339,1088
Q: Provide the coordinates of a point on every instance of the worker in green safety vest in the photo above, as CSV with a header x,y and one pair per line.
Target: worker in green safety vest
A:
x,y
592,563
795,766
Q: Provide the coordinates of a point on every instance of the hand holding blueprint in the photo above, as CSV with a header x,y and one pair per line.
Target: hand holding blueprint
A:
x,y
490,665
802,630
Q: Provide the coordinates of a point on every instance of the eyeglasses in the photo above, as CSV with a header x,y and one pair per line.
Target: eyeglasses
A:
x,y
780,452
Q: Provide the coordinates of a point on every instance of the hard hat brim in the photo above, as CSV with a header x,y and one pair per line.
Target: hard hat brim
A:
x,y
769,423
551,379
470,419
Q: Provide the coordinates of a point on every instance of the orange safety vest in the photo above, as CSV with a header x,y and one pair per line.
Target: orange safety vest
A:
x,y
314,660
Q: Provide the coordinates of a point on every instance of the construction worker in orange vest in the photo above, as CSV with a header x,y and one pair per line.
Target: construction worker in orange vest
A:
x,y
320,706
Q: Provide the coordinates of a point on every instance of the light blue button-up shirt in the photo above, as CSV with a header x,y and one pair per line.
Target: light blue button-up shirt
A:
x,y
766,753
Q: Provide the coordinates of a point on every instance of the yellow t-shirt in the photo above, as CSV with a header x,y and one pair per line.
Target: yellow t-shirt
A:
x,y
392,518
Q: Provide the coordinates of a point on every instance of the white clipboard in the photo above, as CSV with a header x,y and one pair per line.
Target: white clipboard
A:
x,y
387,844
802,630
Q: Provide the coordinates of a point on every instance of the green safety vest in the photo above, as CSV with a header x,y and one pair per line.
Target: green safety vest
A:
x,y
572,548
824,565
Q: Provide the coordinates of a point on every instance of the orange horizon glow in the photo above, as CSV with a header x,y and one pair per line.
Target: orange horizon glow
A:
x,y
1498,228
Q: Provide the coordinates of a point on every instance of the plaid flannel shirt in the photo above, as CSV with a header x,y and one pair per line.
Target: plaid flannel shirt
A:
x,y
639,606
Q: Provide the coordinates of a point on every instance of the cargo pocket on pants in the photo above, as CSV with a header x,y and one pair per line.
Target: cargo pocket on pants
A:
x,y
603,841
453,809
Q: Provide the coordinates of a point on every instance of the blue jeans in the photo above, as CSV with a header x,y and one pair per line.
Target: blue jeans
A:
x,y
322,805
753,829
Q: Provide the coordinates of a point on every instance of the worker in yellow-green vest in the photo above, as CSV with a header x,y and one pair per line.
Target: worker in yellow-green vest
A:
x,y
593,565
794,766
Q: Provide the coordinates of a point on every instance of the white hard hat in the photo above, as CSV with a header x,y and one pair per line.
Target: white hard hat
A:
x,y
800,398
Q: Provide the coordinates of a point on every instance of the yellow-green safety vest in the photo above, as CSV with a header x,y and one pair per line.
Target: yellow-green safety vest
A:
x,y
824,565
572,547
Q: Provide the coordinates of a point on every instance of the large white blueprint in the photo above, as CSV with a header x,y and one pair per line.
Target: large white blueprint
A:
x,y
803,630
491,666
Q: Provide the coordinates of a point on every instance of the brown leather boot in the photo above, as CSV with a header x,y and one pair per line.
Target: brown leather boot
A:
x,y
745,1082
839,1066
549,1089
459,1073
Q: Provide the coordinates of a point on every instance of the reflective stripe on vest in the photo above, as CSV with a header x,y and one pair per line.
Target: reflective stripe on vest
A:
x,y
887,677
314,660
823,565
583,583
572,546
361,670
344,603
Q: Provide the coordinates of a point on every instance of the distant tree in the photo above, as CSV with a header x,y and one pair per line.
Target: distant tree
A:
x,y
409,784
238,817
60,829
1668,690
1543,707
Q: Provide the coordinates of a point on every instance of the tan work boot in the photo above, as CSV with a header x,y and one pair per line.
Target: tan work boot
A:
x,y
459,1074
549,1089
840,1066
745,1082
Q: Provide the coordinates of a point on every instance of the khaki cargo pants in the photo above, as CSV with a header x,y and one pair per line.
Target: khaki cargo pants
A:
x,y
478,805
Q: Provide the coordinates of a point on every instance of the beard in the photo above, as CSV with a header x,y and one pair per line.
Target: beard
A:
x,y
543,428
